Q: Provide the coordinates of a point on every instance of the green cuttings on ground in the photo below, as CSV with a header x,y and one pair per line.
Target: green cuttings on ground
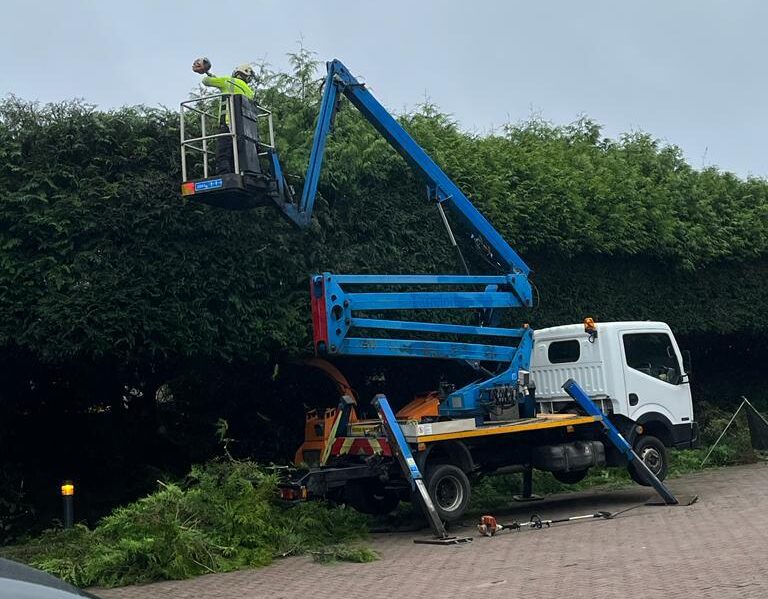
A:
x,y
225,516
222,518
344,553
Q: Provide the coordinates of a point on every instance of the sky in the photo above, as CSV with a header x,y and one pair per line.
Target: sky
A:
x,y
689,72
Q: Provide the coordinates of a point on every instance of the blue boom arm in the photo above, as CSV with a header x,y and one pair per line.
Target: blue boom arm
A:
x,y
442,189
344,305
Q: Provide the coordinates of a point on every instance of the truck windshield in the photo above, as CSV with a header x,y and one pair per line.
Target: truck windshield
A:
x,y
653,354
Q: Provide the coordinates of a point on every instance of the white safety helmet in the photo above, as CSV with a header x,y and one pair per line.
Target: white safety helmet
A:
x,y
244,71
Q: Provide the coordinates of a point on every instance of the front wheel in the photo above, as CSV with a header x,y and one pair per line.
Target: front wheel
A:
x,y
450,491
654,455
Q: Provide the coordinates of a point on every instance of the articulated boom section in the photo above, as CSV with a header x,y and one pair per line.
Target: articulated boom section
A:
x,y
341,311
440,187
341,306
340,314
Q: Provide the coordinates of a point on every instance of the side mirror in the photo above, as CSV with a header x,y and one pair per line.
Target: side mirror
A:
x,y
687,364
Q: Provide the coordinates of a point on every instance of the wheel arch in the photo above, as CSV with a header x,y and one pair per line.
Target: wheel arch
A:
x,y
657,425
446,452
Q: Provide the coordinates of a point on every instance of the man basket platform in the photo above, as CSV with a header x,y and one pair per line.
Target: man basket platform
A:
x,y
255,178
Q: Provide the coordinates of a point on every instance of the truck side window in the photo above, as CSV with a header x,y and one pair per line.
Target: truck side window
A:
x,y
562,352
653,354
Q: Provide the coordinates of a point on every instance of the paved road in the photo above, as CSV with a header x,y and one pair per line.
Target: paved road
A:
x,y
716,548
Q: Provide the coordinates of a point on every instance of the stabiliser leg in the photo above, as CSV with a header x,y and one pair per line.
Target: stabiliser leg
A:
x,y
527,494
413,474
573,389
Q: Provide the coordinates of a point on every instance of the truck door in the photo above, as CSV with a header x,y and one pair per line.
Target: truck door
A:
x,y
653,375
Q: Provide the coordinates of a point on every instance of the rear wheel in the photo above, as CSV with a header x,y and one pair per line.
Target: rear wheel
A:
x,y
449,490
572,477
654,455
370,497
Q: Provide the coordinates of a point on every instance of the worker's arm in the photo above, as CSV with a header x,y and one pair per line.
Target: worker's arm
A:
x,y
221,83
228,85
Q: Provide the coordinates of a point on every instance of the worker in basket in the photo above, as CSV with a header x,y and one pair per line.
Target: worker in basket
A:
x,y
236,84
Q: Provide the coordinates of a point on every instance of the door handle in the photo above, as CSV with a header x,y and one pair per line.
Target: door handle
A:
x,y
633,399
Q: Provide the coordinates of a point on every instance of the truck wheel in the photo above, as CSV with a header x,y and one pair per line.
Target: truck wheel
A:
x,y
572,477
370,497
450,491
654,454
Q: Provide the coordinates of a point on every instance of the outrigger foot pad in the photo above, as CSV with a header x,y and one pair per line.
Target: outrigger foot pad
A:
x,y
684,500
444,541
532,497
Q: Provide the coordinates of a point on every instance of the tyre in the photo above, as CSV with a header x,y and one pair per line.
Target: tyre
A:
x,y
449,489
572,477
370,497
653,453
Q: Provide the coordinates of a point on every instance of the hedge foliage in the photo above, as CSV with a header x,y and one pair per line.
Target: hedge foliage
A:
x,y
101,257
111,285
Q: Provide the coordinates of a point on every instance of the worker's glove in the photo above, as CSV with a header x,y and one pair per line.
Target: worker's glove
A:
x,y
201,65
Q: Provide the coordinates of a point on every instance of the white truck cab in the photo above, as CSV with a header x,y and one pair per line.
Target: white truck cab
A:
x,y
633,370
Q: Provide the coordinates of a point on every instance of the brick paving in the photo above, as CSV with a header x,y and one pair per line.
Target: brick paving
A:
x,y
716,548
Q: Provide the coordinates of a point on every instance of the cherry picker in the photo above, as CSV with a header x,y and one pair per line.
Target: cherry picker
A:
x,y
336,301
492,424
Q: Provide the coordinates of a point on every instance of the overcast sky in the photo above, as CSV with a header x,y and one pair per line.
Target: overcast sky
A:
x,y
691,72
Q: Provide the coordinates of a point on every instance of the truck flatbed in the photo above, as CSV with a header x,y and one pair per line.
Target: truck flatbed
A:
x,y
366,437
543,421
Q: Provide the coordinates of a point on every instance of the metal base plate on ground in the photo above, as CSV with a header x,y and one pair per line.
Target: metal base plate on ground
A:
x,y
445,541
683,500
524,498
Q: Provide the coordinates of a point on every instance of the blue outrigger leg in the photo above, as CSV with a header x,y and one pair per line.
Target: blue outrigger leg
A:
x,y
412,473
580,396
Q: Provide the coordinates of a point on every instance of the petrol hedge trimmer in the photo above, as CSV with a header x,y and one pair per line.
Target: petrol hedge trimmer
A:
x,y
488,526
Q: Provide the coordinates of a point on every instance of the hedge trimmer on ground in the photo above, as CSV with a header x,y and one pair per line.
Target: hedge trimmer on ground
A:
x,y
488,526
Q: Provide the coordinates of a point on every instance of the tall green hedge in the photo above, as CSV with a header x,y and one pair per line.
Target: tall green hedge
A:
x,y
101,256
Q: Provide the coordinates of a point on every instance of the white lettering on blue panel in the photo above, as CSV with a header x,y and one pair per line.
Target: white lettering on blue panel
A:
x,y
209,184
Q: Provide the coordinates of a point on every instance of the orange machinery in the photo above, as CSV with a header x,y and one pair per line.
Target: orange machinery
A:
x,y
318,428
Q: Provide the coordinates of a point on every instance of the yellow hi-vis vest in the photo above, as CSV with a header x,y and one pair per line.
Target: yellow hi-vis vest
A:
x,y
228,85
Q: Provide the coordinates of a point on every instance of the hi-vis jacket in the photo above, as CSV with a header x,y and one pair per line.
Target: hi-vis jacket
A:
x,y
228,85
